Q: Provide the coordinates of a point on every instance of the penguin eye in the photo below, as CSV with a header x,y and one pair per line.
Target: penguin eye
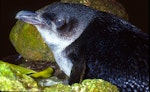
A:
x,y
59,22
48,17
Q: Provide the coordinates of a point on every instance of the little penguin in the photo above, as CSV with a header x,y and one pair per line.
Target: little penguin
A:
x,y
89,43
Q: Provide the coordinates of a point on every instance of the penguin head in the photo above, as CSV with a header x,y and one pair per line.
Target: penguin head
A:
x,y
59,24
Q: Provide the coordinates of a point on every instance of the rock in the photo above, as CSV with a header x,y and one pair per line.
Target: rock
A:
x,y
14,78
88,85
28,42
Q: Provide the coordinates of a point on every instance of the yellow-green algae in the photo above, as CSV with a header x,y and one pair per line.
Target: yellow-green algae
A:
x,y
43,74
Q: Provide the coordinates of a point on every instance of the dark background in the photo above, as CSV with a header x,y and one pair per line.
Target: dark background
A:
x,y
136,9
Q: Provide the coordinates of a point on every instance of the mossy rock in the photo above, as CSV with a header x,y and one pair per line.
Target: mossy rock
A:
x,y
88,85
14,78
28,42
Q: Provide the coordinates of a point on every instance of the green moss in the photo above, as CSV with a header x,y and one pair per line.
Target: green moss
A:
x,y
88,85
13,80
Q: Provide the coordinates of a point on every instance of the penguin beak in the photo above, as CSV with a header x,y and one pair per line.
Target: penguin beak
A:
x,y
29,17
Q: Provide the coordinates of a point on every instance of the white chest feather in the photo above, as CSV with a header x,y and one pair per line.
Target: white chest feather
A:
x,y
64,63
57,46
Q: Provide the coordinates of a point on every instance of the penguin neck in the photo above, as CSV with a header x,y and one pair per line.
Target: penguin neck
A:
x,y
62,60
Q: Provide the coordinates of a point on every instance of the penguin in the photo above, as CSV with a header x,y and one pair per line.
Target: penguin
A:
x,y
89,44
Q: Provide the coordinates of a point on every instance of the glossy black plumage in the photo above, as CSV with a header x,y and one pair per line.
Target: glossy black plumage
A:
x,y
114,50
